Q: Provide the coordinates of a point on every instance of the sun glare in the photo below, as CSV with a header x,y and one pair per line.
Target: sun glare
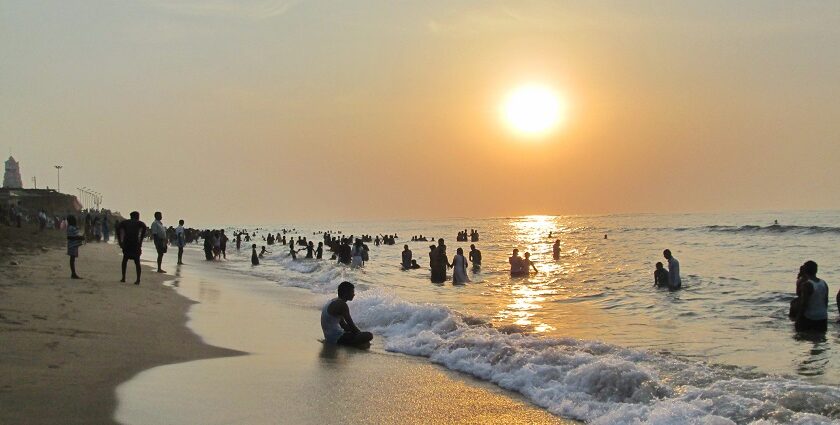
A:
x,y
533,110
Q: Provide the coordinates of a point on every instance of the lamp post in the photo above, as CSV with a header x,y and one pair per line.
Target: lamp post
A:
x,y
58,172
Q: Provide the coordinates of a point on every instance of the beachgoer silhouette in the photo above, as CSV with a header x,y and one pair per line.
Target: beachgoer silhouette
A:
x,y
160,239
459,268
555,250
660,276
74,241
406,257
516,264
674,281
813,310
130,235
181,240
255,260
527,263
475,257
336,323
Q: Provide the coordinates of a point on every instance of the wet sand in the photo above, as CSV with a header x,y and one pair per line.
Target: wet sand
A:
x,y
66,344
291,377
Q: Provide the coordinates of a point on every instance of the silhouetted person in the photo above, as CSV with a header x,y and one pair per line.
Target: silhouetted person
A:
x,y
406,257
262,252
674,281
74,241
238,241
255,261
459,268
160,239
223,239
813,310
130,235
516,264
475,257
414,265
345,253
336,323
660,276
555,250
181,240
319,252
527,263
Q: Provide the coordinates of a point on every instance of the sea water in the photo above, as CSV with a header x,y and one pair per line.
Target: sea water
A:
x,y
589,337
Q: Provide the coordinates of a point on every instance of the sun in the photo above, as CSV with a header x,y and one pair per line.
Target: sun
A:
x,y
533,110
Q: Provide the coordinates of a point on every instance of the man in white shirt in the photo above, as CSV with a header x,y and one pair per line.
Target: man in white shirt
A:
x,y
161,241
674,281
181,237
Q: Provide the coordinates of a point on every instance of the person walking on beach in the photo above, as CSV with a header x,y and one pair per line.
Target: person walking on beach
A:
x,y
475,257
406,257
74,241
459,268
130,235
181,240
674,281
160,239
813,302
336,323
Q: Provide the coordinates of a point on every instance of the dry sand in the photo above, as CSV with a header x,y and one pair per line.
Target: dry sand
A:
x,y
66,344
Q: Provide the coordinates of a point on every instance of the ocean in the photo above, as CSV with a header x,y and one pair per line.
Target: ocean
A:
x,y
589,337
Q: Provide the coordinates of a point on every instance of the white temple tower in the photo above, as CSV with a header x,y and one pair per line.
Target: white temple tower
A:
x,y
12,180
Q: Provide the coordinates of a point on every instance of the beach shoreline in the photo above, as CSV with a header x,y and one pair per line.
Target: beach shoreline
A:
x,y
67,344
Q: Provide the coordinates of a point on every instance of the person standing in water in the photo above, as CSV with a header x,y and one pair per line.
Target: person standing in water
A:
x,y
319,252
674,281
475,257
527,263
181,240
336,323
459,266
813,310
555,249
255,259
660,276
406,257
74,241
515,263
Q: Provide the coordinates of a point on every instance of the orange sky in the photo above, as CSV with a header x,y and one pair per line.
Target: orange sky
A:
x,y
279,111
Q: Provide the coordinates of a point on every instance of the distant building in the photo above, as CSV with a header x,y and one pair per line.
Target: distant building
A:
x,y
12,180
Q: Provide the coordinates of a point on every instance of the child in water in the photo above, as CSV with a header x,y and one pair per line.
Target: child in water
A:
x,y
660,276
254,258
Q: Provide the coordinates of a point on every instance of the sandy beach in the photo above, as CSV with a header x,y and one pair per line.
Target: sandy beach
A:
x,y
66,344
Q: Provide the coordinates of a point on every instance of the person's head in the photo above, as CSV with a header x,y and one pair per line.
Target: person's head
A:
x,y
460,251
223,231
180,222
527,255
254,246
346,291
135,215
413,262
515,252
431,247
658,265
440,241
472,246
263,248
158,215
405,247
667,254
810,268
71,220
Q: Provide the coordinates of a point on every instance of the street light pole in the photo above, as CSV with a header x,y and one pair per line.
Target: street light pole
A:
x,y
58,171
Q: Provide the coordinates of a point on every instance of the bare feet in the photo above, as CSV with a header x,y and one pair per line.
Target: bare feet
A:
x,y
161,271
122,280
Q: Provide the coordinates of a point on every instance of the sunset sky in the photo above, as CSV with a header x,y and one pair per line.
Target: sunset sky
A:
x,y
282,111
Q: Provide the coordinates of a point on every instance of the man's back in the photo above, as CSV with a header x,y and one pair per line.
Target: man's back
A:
x,y
131,231
674,273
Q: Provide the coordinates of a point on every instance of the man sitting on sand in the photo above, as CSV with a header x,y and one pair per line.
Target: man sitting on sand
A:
x,y
336,322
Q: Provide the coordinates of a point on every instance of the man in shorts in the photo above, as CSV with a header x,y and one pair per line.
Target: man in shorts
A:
x,y
160,239
130,235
